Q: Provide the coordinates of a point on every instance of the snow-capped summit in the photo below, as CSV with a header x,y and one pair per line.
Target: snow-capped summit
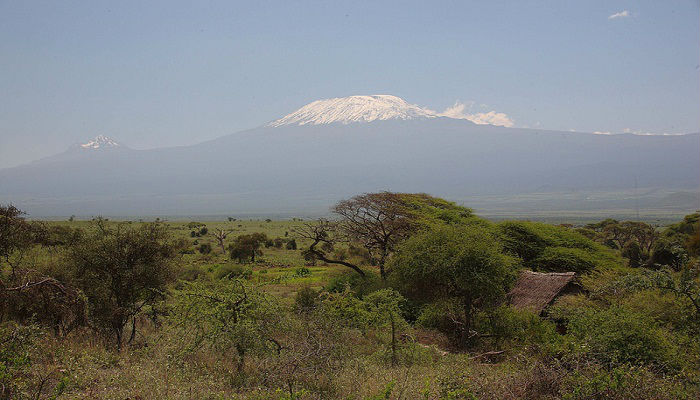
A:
x,y
355,109
100,142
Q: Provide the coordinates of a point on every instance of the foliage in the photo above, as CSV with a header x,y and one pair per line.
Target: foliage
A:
x,y
306,299
452,262
359,285
15,360
378,223
687,233
509,326
543,247
632,334
247,247
204,248
232,271
563,259
617,336
121,270
224,315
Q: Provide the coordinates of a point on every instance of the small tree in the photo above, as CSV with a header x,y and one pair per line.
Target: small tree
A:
x,y
226,314
121,270
454,263
247,247
385,309
16,235
220,236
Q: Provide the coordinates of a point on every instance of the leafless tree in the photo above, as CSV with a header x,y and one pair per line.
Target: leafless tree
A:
x,y
220,236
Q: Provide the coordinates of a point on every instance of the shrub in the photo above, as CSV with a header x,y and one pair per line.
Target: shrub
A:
x,y
306,299
454,263
618,336
509,325
358,284
562,259
227,315
232,271
302,272
192,272
537,243
204,248
16,342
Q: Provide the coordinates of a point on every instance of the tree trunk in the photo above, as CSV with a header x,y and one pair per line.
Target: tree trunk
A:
x,y
118,333
133,329
467,319
393,340
241,354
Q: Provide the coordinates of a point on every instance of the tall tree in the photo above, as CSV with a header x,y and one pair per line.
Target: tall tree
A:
x,y
454,263
376,221
121,270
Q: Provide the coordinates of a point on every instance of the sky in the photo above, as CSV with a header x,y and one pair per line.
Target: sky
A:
x,y
154,74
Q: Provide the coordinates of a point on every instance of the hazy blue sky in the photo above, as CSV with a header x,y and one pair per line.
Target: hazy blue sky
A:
x,y
172,73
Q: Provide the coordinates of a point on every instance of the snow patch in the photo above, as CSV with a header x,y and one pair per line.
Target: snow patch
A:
x,y
350,109
100,142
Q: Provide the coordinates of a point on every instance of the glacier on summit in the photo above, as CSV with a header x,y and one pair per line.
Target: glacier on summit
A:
x,y
100,141
350,109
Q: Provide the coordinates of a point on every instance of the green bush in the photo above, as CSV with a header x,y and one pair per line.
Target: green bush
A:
x,y
204,248
620,336
509,325
358,284
192,272
562,259
302,272
16,342
306,299
554,248
232,271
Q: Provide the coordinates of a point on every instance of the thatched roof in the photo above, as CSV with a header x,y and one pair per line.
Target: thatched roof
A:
x,y
534,291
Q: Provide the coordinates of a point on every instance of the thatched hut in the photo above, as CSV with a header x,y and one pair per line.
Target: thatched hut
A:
x,y
535,291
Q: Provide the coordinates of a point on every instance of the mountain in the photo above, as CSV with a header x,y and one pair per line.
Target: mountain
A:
x,y
100,142
331,149
350,109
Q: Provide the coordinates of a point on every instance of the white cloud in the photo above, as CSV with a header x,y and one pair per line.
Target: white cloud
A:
x,y
602,133
460,111
621,14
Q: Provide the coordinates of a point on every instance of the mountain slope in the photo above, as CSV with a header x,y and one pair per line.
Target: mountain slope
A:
x,y
293,167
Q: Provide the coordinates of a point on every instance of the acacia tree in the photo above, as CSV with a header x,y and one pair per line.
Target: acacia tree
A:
x,y
247,246
324,237
15,236
375,222
121,270
453,263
